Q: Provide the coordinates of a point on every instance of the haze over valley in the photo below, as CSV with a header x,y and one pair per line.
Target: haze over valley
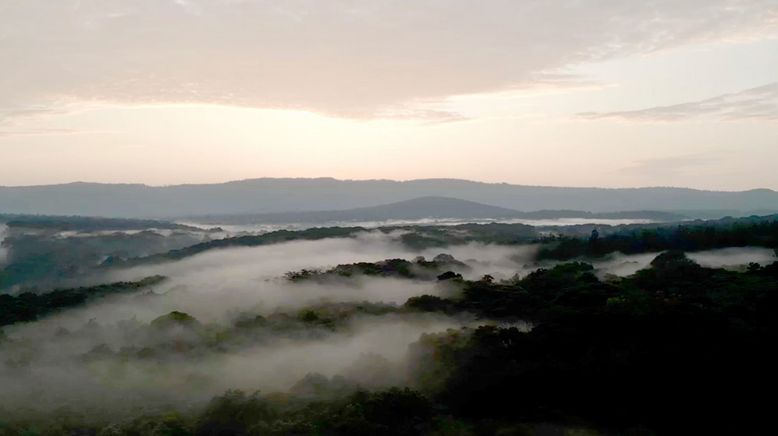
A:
x,y
380,218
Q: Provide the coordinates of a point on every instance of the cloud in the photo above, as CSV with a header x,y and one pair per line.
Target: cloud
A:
x,y
668,166
10,114
346,58
44,131
3,249
729,258
105,360
215,287
734,258
759,103
234,277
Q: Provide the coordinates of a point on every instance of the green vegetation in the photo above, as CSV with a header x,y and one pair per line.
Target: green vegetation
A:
x,y
419,268
745,232
676,348
275,237
178,334
86,224
42,259
29,306
421,237
414,237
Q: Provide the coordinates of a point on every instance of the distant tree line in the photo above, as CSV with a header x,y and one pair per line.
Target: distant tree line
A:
x,y
761,232
29,306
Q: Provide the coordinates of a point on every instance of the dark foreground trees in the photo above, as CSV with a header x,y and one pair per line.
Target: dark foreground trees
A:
x,y
30,306
674,349
695,236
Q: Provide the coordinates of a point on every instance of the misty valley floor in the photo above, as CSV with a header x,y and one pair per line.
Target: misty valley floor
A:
x,y
388,218
458,330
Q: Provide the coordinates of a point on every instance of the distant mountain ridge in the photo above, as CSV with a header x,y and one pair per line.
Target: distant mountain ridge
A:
x,y
268,195
422,208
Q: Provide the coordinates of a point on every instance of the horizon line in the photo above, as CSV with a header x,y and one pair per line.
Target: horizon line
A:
x,y
430,179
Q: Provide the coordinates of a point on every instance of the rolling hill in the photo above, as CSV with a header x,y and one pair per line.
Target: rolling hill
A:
x,y
421,208
259,196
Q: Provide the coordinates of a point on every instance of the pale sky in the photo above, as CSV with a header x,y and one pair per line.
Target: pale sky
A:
x,y
613,93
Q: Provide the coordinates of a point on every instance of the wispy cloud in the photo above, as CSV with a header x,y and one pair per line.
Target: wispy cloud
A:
x,y
9,114
47,131
752,104
668,167
351,59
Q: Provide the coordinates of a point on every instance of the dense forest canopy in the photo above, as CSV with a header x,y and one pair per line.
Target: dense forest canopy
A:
x,y
238,217
472,329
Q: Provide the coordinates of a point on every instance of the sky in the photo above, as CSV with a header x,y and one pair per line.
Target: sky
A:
x,y
611,93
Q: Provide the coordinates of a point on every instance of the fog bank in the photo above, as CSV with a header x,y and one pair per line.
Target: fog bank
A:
x,y
89,370
3,249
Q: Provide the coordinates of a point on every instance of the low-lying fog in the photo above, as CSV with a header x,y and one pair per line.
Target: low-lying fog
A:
x,y
60,373
728,258
253,277
233,229
734,258
46,364
80,357
3,249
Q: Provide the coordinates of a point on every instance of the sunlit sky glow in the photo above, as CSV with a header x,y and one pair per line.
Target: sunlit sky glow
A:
x,y
553,92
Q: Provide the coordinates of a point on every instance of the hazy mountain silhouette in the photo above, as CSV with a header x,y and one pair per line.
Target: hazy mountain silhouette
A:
x,y
421,208
414,209
293,195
